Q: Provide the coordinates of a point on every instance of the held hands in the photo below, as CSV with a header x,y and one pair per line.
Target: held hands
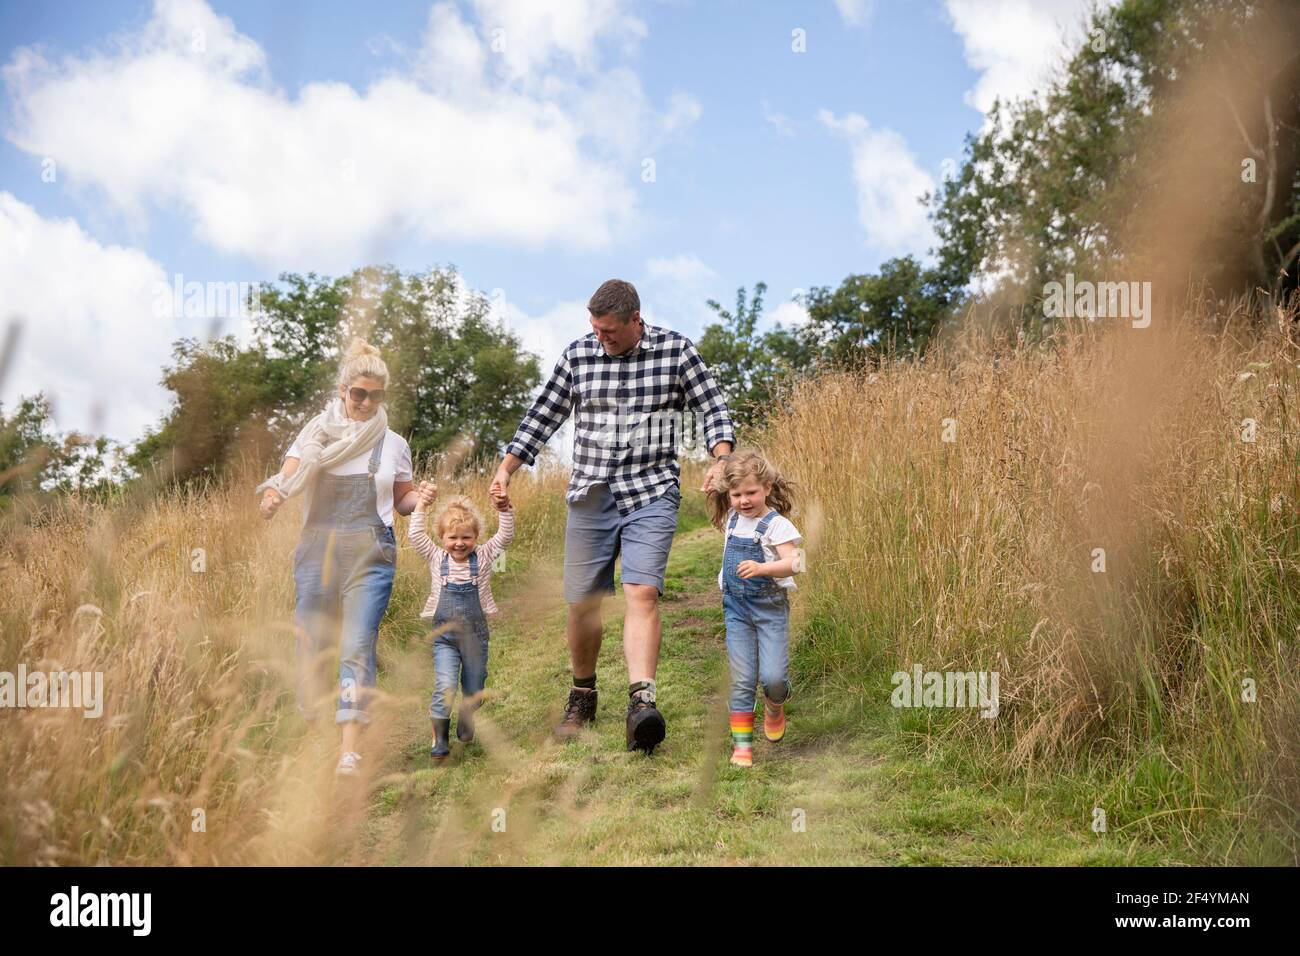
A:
x,y
715,471
498,488
425,495
751,569
270,503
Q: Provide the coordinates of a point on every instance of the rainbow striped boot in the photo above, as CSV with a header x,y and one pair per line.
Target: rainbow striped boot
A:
x,y
773,720
742,739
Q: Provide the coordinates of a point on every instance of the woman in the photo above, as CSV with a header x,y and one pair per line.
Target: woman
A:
x,y
354,474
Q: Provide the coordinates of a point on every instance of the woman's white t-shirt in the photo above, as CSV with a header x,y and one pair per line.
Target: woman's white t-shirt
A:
x,y
779,531
394,465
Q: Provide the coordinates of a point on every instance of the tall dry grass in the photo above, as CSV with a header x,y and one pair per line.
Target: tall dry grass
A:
x,y
979,554
198,671
970,555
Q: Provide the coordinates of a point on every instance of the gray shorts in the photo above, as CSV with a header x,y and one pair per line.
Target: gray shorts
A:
x,y
596,534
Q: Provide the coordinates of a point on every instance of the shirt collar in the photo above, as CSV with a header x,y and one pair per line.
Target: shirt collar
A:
x,y
646,342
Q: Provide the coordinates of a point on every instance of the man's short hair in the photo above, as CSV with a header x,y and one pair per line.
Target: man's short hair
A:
x,y
615,297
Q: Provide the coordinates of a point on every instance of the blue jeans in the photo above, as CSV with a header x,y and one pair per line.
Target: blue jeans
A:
x,y
460,652
758,645
462,655
343,581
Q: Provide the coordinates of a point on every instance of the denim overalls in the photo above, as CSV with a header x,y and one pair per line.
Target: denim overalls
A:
x,y
757,614
461,650
343,575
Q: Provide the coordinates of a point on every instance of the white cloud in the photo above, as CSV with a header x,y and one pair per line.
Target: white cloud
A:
x,y
778,120
674,291
890,183
789,313
524,144
90,338
683,270
1015,44
546,334
855,12
530,36
683,111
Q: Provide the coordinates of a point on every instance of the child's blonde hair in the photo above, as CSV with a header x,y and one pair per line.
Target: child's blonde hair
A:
x,y
362,358
457,512
750,463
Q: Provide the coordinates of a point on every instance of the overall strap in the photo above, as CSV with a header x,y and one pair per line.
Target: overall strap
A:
x,y
373,465
445,570
726,535
763,523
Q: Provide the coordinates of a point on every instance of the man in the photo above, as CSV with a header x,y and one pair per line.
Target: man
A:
x,y
627,384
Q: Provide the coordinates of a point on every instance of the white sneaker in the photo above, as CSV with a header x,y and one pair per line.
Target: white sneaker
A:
x,y
348,764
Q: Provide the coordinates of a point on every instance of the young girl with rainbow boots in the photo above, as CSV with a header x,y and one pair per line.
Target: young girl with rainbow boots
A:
x,y
759,559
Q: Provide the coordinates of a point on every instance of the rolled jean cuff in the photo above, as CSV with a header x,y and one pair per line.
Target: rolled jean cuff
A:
x,y
347,716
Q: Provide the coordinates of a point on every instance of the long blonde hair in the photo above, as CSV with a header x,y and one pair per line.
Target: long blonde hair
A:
x,y
360,359
751,463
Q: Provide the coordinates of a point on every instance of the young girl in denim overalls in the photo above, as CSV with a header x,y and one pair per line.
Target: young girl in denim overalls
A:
x,y
759,558
459,613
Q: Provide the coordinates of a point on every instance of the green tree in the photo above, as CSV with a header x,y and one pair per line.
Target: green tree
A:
x,y
227,401
1067,182
895,310
452,370
25,446
34,460
747,365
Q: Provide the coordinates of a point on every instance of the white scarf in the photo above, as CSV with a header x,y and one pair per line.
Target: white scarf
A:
x,y
328,440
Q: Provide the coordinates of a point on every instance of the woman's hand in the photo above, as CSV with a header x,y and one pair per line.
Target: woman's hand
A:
x,y
271,502
750,569
502,502
427,493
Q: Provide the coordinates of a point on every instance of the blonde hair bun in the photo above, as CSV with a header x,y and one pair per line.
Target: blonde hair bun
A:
x,y
362,358
360,346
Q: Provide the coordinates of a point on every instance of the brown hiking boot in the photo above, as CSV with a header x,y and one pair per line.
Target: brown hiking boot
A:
x,y
578,711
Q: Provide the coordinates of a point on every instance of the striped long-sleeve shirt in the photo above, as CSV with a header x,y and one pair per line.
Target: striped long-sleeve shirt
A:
x,y
628,414
458,571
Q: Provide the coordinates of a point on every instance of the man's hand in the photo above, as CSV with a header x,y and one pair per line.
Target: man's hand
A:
x,y
713,477
500,485
751,569
270,504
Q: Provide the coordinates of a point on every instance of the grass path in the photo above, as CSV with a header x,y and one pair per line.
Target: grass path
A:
x,y
847,786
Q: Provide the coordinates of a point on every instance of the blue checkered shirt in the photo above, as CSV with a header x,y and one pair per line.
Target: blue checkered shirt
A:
x,y
631,413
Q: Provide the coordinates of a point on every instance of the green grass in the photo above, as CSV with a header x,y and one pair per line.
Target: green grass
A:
x,y
854,782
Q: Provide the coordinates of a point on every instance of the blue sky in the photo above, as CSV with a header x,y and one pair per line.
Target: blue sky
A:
x,y
231,141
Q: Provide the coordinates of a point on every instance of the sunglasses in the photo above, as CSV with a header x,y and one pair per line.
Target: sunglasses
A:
x,y
359,395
